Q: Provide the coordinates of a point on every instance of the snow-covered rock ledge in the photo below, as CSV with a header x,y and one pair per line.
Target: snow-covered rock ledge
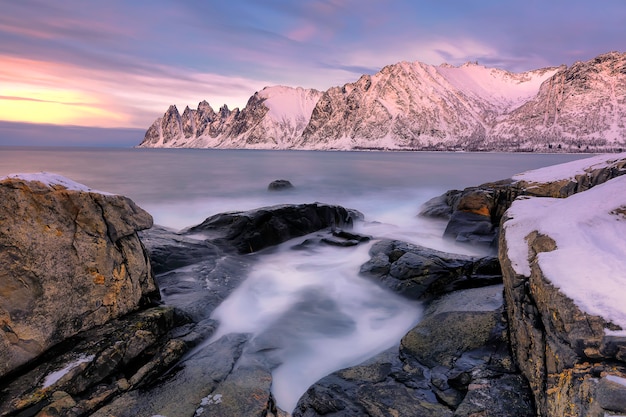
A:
x,y
564,269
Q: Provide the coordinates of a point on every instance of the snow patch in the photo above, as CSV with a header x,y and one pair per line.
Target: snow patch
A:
x,y
55,376
589,230
53,180
616,379
569,170
208,400
287,103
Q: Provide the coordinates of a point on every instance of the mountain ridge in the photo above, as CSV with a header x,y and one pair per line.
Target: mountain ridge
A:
x,y
417,106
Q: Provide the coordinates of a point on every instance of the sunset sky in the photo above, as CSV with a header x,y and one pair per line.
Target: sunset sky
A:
x,y
120,64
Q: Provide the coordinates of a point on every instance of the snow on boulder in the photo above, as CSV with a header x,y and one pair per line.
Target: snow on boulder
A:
x,y
70,260
564,270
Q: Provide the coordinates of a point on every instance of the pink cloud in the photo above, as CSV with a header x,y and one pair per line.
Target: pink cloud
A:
x,y
303,33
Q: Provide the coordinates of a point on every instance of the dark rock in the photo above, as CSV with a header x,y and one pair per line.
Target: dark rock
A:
x,y
186,388
472,228
467,371
279,185
136,348
421,273
254,230
170,250
441,206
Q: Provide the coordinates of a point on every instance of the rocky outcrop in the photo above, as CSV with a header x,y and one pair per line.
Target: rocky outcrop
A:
x,y
474,214
68,250
415,106
79,376
568,338
422,274
455,362
572,358
257,229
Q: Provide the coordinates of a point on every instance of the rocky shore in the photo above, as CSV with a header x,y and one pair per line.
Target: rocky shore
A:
x,y
104,314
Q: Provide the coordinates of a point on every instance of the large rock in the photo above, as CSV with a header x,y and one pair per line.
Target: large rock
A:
x,y
474,214
70,260
96,365
563,269
422,273
257,229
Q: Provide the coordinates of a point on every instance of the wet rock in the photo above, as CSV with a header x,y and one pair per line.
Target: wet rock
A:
x,y
254,230
279,185
464,370
186,388
68,250
136,346
441,206
422,273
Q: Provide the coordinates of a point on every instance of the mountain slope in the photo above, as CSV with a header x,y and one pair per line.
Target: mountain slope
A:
x,y
271,118
419,106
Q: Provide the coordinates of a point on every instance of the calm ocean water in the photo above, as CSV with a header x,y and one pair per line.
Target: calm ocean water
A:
x,y
182,187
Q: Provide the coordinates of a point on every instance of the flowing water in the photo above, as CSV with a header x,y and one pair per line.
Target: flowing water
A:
x,y
311,307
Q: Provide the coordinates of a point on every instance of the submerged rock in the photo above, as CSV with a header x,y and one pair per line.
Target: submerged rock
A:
x,y
70,260
279,185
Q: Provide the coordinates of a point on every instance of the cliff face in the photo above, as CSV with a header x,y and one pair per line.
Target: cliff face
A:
x,y
415,106
561,249
67,250
563,284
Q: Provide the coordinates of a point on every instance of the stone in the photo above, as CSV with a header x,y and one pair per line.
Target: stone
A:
x,y
422,273
257,229
136,345
279,185
74,252
466,372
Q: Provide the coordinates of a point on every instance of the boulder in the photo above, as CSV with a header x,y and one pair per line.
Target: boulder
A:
x,y
279,185
257,229
71,260
422,273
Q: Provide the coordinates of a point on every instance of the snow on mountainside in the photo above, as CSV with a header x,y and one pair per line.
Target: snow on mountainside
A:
x,y
418,106
270,119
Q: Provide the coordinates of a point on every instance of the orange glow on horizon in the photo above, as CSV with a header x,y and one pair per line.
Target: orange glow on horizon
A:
x,y
54,106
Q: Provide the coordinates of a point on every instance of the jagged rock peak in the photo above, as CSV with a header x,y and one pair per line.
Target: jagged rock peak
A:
x,y
416,106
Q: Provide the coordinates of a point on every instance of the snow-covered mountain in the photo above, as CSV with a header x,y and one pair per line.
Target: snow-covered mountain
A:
x,y
419,106
271,119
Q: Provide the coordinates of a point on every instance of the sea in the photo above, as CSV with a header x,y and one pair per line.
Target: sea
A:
x,y
321,315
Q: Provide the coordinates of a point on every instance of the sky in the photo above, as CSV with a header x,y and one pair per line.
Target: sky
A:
x,y
115,66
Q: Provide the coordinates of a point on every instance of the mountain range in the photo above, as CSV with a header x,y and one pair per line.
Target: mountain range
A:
x,y
416,106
